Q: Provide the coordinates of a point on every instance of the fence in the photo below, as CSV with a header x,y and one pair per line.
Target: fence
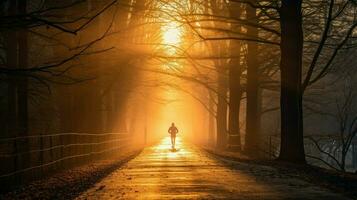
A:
x,y
31,157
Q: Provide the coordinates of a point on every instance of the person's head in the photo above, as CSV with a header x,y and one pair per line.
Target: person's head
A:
x,y
172,124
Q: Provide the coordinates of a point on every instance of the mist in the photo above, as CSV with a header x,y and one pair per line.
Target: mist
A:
x,y
96,80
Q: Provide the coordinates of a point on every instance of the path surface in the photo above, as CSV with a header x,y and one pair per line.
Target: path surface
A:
x,y
190,173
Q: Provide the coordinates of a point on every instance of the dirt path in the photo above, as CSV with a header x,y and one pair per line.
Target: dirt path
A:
x,y
190,173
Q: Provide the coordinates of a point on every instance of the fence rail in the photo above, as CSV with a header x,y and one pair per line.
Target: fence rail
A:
x,y
58,134
31,157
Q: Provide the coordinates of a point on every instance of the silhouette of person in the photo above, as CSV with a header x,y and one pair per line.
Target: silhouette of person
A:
x,y
173,131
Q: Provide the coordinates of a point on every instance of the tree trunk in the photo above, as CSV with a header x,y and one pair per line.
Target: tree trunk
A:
x,y
211,132
235,91
11,62
22,88
221,118
253,103
292,144
22,80
234,141
17,109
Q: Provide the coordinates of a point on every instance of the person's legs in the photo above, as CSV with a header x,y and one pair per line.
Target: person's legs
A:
x,y
172,141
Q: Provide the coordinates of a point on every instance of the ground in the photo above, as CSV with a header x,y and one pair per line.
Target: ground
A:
x,y
191,173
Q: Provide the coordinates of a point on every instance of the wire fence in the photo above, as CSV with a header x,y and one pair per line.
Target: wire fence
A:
x,y
27,158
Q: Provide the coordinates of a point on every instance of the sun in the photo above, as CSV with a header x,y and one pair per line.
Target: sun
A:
x,y
171,33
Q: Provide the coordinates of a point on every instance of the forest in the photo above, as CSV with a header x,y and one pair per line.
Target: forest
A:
x,y
81,80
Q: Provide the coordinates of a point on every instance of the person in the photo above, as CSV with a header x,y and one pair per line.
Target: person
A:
x,y
173,131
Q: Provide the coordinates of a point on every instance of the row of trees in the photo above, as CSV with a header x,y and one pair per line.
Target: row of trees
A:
x,y
53,77
65,67
78,66
261,49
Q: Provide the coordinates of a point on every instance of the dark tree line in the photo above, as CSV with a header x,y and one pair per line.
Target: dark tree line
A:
x,y
66,67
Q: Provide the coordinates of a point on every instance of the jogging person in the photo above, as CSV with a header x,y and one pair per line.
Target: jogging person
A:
x,y
173,131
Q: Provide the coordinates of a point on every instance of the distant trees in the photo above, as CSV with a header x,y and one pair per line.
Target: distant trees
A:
x,y
335,147
53,50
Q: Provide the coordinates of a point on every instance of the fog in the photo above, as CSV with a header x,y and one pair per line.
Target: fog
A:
x,y
115,74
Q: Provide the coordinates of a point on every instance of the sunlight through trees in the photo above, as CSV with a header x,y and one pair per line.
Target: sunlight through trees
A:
x,y
269,79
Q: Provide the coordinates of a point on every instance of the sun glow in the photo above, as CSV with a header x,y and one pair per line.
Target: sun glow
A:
x,y
171,34
172,37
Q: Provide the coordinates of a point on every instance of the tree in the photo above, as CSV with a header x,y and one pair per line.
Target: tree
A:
x,y
219,48
252,90
235,90
22,80
292,143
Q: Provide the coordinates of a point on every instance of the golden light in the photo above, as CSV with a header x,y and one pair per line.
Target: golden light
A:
x,y
164,148
172,33
171,36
